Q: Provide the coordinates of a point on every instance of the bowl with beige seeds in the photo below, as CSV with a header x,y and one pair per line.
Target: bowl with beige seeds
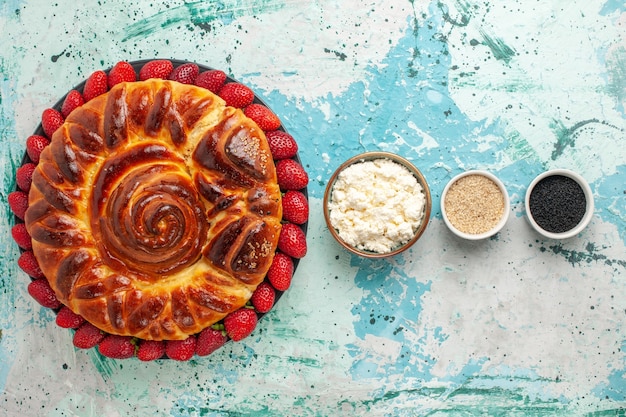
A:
x,y
475,205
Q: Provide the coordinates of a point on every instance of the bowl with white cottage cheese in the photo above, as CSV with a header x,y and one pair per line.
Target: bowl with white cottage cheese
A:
x,y
377,204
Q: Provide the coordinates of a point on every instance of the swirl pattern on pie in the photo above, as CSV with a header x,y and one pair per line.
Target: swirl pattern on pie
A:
x,y
155,211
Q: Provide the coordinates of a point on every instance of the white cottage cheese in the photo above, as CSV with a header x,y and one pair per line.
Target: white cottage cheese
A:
x,y
376,205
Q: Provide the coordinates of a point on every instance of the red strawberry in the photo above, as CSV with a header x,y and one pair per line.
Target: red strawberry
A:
x,y
96,84
73,100
262,116
185,73
150,350
240,323
34,145
236,95
21,236
291,175
282,144
51,120
117,347
281,272
67,319
158,68
41,291
263,297
18,201
28,263
212,80
181,350
24,176
87,336
295,207
209,340
121,72
292,241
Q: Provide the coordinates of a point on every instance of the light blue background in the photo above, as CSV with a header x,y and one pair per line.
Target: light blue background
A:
x,y
515,325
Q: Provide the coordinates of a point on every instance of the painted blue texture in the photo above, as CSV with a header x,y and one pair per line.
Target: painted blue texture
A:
x,y
612,6
380,359
364,119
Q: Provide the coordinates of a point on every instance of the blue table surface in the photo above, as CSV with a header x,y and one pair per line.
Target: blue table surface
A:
x,y
516,325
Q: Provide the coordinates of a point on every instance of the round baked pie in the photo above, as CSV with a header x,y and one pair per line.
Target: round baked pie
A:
x,y
169,217
155,211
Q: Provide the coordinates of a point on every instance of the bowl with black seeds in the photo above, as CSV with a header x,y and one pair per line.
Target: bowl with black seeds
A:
x,y
559,204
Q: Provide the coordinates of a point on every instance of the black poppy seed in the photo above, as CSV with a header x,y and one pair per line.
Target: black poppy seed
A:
x,y
557,203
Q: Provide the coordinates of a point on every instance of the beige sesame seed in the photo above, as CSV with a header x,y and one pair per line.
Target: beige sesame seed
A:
x,y
474,204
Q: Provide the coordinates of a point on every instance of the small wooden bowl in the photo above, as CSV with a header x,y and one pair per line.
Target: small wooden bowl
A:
x,y
370,156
